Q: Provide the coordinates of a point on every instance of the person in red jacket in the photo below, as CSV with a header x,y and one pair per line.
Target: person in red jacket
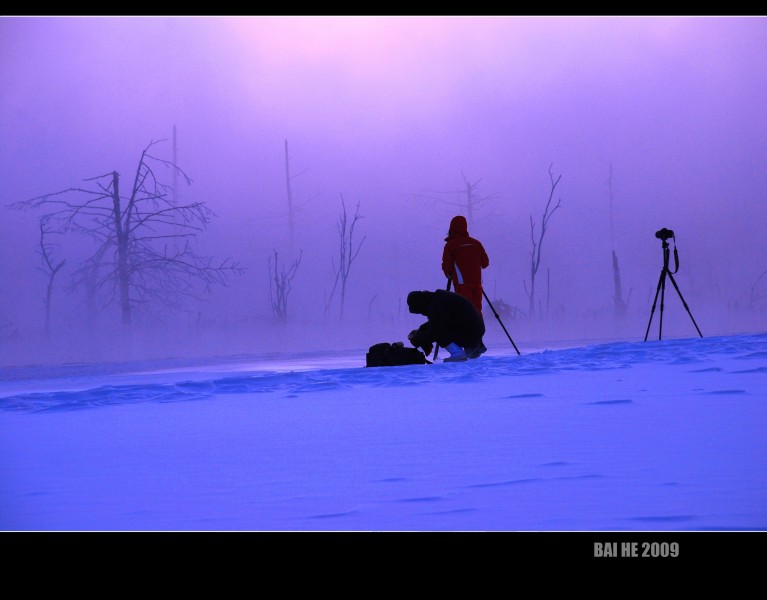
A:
x,y
463,259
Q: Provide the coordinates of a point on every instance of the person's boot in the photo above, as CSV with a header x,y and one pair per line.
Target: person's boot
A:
x,y
456,353
476,351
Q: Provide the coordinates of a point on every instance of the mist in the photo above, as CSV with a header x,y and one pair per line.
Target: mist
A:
x,y
651,122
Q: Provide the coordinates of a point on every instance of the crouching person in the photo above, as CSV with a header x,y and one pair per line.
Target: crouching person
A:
x,y
452,322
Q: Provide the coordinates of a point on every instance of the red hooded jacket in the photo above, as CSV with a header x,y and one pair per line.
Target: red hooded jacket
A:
x,y
463,257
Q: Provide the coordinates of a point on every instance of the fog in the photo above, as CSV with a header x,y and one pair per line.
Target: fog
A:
x,y
651,122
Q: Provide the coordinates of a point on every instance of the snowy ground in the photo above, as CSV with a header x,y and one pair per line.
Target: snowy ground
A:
x,y
643,436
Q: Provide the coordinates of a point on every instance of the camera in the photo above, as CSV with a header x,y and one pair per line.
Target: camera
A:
x,y
664,234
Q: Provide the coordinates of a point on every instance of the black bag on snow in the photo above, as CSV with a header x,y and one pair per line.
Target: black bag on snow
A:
x,y
392,355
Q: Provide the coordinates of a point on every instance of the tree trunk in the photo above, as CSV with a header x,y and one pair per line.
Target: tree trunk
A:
x,y
51,270
535,255
290,197
122,252
620,305
48,295
469,205
548,290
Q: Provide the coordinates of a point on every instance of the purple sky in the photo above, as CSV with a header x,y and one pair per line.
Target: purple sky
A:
x,y
391,112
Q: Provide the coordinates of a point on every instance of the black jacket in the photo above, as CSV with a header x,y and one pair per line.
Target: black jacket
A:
x,y
451,318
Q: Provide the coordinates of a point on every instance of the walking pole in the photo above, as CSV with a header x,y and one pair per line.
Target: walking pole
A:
x,y
436,349
499,320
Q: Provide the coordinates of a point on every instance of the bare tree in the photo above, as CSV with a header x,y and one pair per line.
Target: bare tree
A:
x,y
473,199
280,284
469,198
293,206
291,225
144,240
619,305
370,305
347,253
535,255
50,269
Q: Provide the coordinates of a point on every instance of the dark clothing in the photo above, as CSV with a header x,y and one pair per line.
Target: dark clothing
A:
x,y
451,319
463,259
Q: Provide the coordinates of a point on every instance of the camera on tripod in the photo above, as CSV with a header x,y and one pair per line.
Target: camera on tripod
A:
x,y
664,234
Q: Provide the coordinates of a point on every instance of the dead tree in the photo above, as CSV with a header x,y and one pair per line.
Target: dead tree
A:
x,y
50,269
293,207
280,284
291,225
144,251
473,200
469,200
535,255
347,253
619,305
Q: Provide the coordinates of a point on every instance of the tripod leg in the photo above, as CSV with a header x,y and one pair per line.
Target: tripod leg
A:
x,y
654,302
436,345
687,308
499,321
662,303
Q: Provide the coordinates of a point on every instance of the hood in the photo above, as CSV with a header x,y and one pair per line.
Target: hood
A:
x,y
418,302
458,226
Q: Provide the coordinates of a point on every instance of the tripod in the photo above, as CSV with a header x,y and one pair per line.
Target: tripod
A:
x,y
662,289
